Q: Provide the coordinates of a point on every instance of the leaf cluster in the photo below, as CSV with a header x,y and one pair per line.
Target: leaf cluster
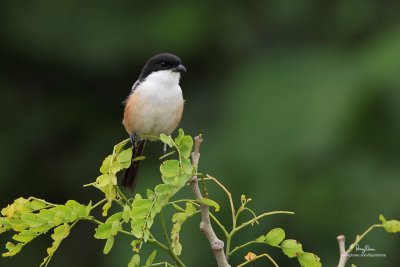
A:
x,y
32,217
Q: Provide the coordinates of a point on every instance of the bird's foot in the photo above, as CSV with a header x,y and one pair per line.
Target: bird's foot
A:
x,y
134,139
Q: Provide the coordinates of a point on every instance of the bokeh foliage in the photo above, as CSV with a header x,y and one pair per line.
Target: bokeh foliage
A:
x,y
299,103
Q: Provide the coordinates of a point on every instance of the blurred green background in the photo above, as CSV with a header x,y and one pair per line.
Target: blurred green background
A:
x,y
298,101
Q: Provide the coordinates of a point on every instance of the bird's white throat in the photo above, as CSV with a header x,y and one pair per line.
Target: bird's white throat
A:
x,y
164,77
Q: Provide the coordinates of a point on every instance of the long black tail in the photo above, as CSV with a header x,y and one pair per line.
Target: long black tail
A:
x,y
130,175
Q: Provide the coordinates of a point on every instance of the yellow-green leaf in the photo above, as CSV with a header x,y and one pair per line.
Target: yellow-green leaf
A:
x,y
61,232
103,231
166,140
291,248
392,226
109,244
12,249
185,146
151,258
136,245
275,237
135,261
170,168
25,236
307,259
210,203
125,155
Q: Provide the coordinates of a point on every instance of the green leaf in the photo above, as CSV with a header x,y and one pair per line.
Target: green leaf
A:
x,y
187,166
170,168
103,231
109,244
392,226
186,146
260,239
125,155
47,215
126,214
121,145
178,219
106,207
210,203
104,179
115,217
190,209
166,140
33,220
275,237
136,245
150,194
177,207
25,236
17,224
139,158
137,225
135,261
105,166
88,209
12,249
37,204
164,189
291,248
151,258
307,259
79,208
116,166
115,227
61,232
63,214
178,139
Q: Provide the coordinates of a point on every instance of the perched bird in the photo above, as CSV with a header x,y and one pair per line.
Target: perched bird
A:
x,y
154,106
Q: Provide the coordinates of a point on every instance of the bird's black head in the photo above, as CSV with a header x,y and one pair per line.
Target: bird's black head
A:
x,y
162,61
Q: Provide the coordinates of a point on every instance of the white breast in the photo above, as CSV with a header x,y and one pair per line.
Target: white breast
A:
x,y
157,104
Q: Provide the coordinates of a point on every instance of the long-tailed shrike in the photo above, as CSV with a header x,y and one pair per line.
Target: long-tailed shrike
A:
x,y
154,106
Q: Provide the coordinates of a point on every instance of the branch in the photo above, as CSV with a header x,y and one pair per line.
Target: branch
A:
x,y
217,245
344,256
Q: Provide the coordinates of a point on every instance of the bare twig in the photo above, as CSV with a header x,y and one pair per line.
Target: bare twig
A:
x,y
344,256
217,245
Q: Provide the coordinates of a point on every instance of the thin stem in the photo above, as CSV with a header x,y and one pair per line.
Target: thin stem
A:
x,y
359,238
157,243
229,197
167,155
241,246
98,203
43,201
237,229
258,257
219,224
122,195
165,228
171,252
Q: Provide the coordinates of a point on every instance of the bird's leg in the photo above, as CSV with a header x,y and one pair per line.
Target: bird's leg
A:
x,y
165,149
133,137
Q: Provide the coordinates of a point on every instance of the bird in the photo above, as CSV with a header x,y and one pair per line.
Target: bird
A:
x,y
153,107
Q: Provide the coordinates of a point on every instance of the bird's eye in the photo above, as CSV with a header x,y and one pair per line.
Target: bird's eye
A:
x,y
163,64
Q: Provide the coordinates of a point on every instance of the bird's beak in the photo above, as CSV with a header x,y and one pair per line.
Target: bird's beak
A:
x,y
180,68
